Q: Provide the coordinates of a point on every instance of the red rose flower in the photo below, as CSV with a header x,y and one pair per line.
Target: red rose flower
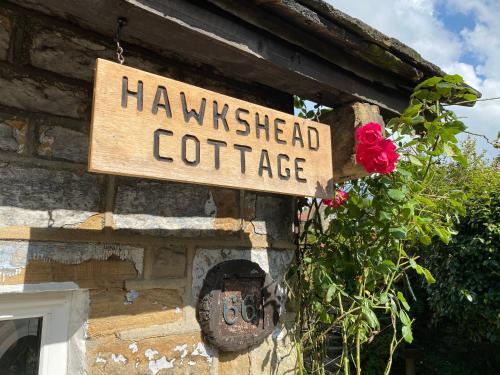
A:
x,y
369,134
340,199
375,155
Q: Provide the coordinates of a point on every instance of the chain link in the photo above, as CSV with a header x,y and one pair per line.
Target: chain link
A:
x,y
119,53
119,49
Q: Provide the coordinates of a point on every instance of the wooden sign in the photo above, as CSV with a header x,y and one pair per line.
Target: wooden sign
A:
x,y
145,125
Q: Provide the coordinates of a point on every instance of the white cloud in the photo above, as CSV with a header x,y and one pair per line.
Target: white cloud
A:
x,y
415,23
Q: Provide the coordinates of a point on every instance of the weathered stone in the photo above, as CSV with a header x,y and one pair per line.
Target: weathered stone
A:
x,y
13,135
176,354
44,198
234,363
6,25
74,55
115,310
58,98
169,261
227,216
275,262
92,274
165,208
276,355
90,265
62,143
269,215
344,121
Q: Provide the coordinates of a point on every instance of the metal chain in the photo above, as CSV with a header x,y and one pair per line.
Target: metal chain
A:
x,y
121,22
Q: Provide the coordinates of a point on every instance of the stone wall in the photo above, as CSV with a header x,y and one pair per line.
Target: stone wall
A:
x,y
140,247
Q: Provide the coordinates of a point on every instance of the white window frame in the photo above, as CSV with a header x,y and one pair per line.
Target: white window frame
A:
x,y
54,308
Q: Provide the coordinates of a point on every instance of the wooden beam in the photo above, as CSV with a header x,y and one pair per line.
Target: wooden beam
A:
x,y
200,33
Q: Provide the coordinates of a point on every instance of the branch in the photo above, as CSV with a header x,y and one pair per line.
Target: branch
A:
x,y
472,101
480,136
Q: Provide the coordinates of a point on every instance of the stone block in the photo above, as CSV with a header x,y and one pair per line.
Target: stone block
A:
x,y
167,208
91,274
269,215
275,262
276,355
114,310
44,198
39,95
227,203
13,135
6,26
74,55
176,354
344,121
234,363
89,265
62,143
169,262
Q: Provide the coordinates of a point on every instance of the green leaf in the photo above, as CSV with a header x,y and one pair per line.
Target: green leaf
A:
x,y
428,276
384,216
330,292
403,301
383,298
443,234
460,159
470,97
425,239
407,335
398,232
430,82
453,78
370,317
405,319
415,161
396,195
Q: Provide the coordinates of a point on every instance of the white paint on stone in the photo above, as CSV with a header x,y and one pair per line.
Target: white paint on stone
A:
x,y
150,353
275,262
204,351
133,347
160,364
210,207
118,358
15,255
181,349
191,363
99,359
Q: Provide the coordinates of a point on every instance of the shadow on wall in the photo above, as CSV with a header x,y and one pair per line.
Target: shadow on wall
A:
x,y
144,273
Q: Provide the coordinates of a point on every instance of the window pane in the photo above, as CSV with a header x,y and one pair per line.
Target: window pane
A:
x,y
20,346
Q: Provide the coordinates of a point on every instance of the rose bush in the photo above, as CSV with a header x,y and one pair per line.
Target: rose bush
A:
x,y
373,151
350,276
339,200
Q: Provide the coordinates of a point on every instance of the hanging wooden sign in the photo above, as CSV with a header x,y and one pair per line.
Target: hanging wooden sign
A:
x,y
145,125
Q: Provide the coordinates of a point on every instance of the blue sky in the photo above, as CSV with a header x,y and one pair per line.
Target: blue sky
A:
x,y
461,36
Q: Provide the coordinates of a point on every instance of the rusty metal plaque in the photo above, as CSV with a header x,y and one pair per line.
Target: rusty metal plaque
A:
x,y
238,306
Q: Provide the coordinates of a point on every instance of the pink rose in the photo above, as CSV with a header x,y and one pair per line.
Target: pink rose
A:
x,y
369,134
340,199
